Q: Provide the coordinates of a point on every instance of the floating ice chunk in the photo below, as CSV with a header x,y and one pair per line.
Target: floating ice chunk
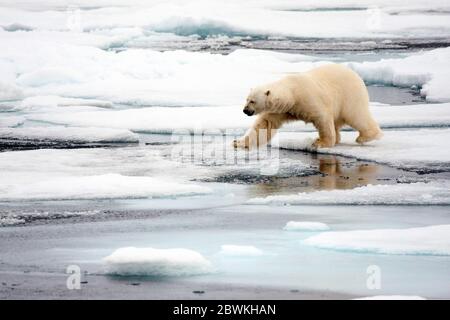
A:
x,y
395,297
108,186
433,193
305,226
131,261
72,134
240,251
432,240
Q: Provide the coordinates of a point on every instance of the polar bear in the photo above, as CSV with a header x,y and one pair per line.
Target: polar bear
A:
x,y
329,97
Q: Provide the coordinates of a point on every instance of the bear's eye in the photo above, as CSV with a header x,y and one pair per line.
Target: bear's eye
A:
x,y
251,101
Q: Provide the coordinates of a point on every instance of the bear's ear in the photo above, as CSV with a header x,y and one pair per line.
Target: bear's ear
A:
x,y
267,92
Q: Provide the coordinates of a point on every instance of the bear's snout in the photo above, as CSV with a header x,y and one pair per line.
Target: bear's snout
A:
x,y
249,112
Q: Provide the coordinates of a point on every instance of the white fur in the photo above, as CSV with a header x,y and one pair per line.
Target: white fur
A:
x,y
330,97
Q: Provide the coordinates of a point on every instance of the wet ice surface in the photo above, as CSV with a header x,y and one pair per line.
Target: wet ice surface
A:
x,y
88,167
50,235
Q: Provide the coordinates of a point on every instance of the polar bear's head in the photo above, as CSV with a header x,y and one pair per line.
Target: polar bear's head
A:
x,y
257,101
271,98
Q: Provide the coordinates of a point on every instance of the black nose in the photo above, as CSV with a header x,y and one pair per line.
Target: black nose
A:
x,y
248,112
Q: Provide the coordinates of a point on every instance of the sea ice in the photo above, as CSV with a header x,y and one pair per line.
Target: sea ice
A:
x,y
431,240
408,149
108,186
130,261
428,70
166,120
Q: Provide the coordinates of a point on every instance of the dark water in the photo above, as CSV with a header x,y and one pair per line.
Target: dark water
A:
x,y
395,95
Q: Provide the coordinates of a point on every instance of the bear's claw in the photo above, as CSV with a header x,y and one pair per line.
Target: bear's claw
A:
x,y
240,144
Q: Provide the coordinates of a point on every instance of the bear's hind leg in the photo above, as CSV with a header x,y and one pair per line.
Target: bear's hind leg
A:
x,y
327,133
373,132
337,127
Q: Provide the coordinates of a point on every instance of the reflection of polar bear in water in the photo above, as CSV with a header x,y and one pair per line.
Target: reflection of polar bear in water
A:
x,y
330,97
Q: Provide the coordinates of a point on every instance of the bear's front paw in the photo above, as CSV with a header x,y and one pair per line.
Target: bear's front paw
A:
x,y
240,143
321,144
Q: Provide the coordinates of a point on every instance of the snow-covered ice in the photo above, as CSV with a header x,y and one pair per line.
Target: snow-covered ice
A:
x,y
108,186
132,261
420,193
240,251
49,101
430,240
233,17
429,70
408,149
166,120
306,226
11,121
155,119
180,78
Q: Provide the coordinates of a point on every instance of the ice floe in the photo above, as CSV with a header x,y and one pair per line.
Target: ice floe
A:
x,y
72,134
73,63
138,77
163,119
420,193
412,150
50,101
155,119
205,18
306,226
240,251
430,240
429,70
130,261
108,186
